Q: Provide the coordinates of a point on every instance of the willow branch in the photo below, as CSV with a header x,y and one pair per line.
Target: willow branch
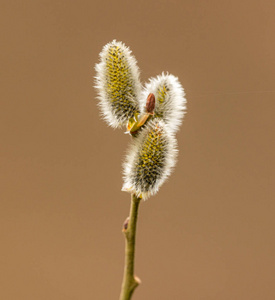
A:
x,y
130,282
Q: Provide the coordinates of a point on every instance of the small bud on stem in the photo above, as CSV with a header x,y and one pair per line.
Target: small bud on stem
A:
x,y
125,224
150,103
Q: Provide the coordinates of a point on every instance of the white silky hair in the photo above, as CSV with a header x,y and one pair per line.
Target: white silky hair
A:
x,y
145,180
174,105
117,115
152,155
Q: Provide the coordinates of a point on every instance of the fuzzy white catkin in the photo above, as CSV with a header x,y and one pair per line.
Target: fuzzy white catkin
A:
x,y
170,101
150,159
117,83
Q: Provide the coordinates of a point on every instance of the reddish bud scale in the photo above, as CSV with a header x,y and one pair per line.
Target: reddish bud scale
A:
x,y
150,103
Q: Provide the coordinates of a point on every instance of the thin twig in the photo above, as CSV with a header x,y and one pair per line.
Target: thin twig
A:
x,y
130,282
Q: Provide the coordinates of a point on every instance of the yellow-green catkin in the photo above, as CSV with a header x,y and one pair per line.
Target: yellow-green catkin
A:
x,y
170,102
150,159
118,84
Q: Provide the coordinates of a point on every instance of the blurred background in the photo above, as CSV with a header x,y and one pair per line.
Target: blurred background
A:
x,y
209,232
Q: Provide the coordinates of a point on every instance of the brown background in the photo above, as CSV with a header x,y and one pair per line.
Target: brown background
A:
x,y
209,232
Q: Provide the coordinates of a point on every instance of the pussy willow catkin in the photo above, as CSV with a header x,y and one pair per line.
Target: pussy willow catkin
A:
x,y
170,102
150,159
118,84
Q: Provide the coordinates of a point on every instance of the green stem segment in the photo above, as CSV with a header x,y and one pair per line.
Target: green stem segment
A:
x,y
130,282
